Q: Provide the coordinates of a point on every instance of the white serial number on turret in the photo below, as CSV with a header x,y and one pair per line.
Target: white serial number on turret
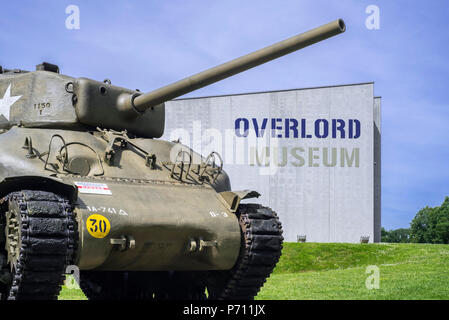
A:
x,y
214,214
120,212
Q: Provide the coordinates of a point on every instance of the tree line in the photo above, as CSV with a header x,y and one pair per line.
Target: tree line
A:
x,y
430,225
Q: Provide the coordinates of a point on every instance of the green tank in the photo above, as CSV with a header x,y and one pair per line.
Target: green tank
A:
x,y
85,182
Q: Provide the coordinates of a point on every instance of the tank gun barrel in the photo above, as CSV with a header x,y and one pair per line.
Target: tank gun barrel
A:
x,y
143,102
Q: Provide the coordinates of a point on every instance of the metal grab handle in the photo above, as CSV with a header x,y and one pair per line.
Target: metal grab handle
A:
x,y
66,155
216,171
179,155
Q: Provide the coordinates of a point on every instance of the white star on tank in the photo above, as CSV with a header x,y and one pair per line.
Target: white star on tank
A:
x,y
6,102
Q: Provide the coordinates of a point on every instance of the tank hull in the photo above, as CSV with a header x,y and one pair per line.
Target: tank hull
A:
x,y
155,222
167,223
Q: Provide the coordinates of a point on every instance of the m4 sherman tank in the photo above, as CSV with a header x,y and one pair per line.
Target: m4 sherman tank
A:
x,y
85,182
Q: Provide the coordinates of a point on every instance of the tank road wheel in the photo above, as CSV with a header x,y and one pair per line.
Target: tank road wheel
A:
x,y
260,251
39,239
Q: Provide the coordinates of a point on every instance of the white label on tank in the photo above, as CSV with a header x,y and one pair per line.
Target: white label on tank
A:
x,y
93,188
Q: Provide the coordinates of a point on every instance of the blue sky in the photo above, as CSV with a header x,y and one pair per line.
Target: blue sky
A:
x,y
147,44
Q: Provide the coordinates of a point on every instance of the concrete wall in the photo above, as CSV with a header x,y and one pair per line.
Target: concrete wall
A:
x,y
377,169
314,185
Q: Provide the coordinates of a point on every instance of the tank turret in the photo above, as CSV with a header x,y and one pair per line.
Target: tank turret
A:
x,y
60,101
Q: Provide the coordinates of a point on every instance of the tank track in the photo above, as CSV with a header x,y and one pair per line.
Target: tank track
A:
x,y
260,251
48,234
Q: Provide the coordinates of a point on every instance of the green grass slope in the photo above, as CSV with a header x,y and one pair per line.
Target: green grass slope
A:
x,y
338,271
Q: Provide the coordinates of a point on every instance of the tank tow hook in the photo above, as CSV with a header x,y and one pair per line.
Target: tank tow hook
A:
x,y
198,245
124,242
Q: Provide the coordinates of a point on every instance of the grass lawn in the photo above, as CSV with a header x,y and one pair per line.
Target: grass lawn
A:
x,y
338,271
71,294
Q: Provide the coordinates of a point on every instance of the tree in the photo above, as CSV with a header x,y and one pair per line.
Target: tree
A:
x,y
401,235
420,227
383,235
442,223
431,225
